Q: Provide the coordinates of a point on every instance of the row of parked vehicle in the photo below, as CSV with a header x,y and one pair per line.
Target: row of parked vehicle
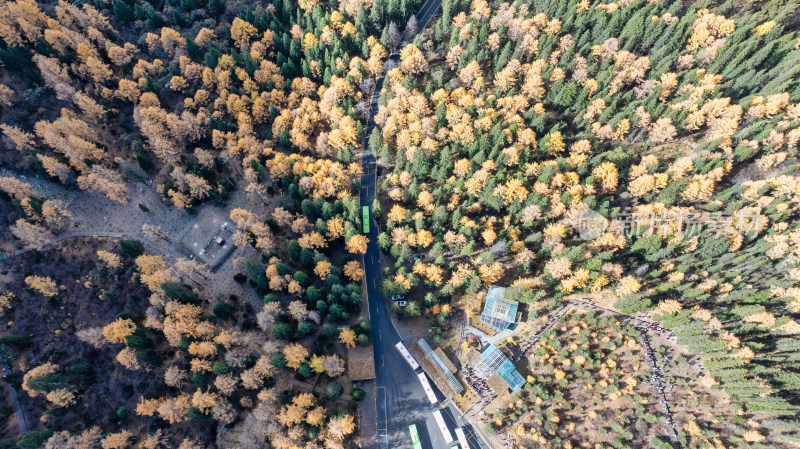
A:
x,y
400,300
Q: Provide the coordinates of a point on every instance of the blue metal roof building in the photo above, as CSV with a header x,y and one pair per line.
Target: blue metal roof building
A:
x,y
498,312
495,361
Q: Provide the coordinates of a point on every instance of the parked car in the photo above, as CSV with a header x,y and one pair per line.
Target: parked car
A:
x,y
402,303
397,297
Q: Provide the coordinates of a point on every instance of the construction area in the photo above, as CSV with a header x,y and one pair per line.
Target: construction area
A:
x,y
210,239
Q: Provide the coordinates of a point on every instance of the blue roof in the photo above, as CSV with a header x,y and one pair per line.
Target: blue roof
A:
x,y
510,374
495,361
498,312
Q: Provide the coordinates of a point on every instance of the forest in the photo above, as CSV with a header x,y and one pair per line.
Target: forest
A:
x,y
671,126
637,154
151,113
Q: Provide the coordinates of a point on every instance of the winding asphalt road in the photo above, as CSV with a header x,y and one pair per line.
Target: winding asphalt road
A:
x,y
400,400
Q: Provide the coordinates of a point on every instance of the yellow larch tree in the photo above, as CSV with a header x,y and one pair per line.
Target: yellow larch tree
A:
x,y
39,371
61,397
32,235
110,259
105,181
341,427
353,270
57,215
412,61
43,285
116,331
397,213
119,440
357,244
147,407
628,285
491,273
317,363
316,416
348,337
127,358
203,401
153,271
608,176
322,269
555,143
5,301
335,228
295,355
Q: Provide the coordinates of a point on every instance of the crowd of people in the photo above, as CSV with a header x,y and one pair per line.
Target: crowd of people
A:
x,y
658,374
476,383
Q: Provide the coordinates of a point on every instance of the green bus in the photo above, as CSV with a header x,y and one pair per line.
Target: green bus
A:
x,y
414,436
365,219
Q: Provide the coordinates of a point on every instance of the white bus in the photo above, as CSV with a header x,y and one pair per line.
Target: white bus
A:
x,y
462,438
407,355
448,437
427,387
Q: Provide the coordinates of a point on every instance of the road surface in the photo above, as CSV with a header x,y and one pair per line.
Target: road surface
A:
x,y
400,400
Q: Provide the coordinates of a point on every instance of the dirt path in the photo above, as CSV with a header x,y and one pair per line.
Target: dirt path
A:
x,y
66,236
23,427
554,317
658,375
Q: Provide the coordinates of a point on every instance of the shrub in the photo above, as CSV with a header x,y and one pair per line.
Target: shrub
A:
x,y
48,382
7,355
333,390
196,414
223,310
281,331
131,248
329,330
358,394
200,380
18,341
34,439
138,341
278,360
220,368
305,328
179,292
83,370
148,357
304,371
